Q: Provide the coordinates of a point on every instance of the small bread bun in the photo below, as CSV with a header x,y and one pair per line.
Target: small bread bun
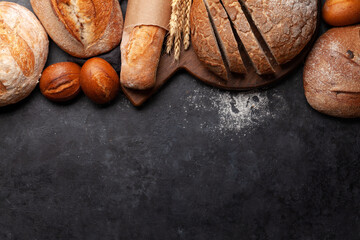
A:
x,y
341,12
60,82
332,73
99,81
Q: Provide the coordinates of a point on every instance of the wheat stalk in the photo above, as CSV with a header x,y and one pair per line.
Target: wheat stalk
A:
x,y
179,27
173,25
187,25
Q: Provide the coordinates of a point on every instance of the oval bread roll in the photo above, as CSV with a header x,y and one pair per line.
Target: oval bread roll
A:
x,y
332,73
24,49
82,28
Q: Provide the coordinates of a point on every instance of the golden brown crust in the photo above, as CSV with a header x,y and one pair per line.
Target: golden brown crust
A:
x,y
24,50
332,73
18,47
60,82
141,52
82,28
247,37
204,40
86,20
287,26
99,81
227,38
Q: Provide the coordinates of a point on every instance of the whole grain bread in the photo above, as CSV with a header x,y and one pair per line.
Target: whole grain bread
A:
x,y
227,39
247,37
82,28
287,26
332,73
204,41
24,49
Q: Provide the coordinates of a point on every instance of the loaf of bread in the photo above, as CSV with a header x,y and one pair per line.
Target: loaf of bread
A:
x,y
332,73
268,33
287,26
204,41
248,39
82,28
24,49
227,41
140,55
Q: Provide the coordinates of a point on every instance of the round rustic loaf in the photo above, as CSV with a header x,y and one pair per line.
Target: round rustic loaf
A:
x,y
24,49
83,28
268,32
332,73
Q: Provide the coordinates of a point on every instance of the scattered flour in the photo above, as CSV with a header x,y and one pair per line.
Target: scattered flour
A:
x,y
236,111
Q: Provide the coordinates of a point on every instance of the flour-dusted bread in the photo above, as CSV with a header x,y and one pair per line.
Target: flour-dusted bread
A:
x,y
332,73
24,49
286,25
267,33
247,37
227,39
204,41
82,28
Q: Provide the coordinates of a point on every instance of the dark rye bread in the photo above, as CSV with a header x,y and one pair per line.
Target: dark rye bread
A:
x,y
227,39
247,37
286,26
332,73
204,41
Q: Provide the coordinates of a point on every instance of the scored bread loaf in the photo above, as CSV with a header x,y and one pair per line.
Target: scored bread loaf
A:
x,y
247,37
204,41
269,33
24,49
332,73
140,55
286,26
82,28
227,41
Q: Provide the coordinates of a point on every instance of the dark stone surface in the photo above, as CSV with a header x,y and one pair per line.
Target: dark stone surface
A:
x,y
181,167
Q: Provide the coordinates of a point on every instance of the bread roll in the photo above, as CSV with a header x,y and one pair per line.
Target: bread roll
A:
x,y
99,80
204,41
332,73
82,28
247,37
24,50
140,55
341,12
227,39
287,26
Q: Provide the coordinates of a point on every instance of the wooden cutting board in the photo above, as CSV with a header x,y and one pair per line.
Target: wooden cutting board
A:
x,y
190,63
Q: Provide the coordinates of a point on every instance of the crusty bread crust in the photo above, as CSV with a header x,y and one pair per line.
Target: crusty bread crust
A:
x,y
24,49
332,73
82,28
204,40
287,26
247,37
140,55
226,36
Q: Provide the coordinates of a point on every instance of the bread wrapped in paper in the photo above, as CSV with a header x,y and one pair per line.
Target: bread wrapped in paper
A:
x,y
146,24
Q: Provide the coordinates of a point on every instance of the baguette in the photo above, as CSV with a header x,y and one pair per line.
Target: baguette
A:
x,y
140,55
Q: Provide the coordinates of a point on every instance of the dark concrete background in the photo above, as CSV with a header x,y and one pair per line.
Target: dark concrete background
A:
x,y
180,167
